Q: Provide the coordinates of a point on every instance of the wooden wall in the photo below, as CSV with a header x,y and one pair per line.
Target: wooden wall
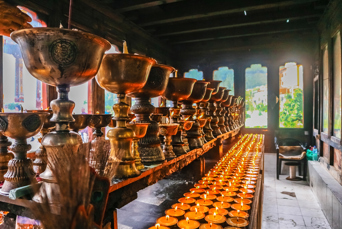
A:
x,y
299,47
328,26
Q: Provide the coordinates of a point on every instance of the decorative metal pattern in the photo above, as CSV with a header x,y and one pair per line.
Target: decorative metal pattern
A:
x,y
63,52
32,123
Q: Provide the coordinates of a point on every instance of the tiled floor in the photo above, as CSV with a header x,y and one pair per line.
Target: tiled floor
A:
x,y
289,204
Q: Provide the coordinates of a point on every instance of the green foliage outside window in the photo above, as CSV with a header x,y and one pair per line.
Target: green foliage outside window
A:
x,y
226,75
292,114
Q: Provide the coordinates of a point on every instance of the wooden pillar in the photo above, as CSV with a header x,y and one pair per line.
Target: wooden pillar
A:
x,y
1,74
98,98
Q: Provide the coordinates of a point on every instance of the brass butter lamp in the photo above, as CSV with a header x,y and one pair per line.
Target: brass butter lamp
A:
x,y
202,111
140,130
213,105
5,156
178,89
227,105
40,162
61,58
194,135
150,145
221,112
20,126
80,123
168,130
209,106
123,74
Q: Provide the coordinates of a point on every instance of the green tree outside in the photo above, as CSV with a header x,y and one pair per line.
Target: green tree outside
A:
x,y
291,115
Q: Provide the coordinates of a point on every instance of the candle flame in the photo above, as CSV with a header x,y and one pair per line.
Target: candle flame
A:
x,y
217,207
187,219
210,224
196,210
125,49
197,205
176,208
97,112
157,225
167,217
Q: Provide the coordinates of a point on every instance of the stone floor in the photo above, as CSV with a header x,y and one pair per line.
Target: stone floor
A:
x,y
289,204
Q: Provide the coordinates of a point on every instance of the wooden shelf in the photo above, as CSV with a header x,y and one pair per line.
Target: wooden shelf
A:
x,y
125,191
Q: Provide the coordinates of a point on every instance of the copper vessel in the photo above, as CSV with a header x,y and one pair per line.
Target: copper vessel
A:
x,y
168,130
213,105
214,84
81,122
210,108
61,58
227,105
40,161
149,146
194,135
5,156
20,126
178,89
140,130
98,121
222,112
123,74
203,113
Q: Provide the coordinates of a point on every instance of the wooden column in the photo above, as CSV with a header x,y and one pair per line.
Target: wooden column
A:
x,y
98,98
1,74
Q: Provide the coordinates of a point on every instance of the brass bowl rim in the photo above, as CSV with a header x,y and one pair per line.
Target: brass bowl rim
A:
x,y
203,82
14,34
168,124
186,79
133,56
138,124
211,81
18,113
99,114
164,66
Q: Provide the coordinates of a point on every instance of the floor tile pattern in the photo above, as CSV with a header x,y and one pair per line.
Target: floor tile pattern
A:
x,y
289,204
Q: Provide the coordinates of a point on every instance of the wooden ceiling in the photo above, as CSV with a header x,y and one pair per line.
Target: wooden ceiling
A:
x,y
197,30
187,25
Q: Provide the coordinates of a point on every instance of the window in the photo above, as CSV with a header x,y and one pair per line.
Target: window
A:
x,y
81,95
291,110
226,75
194,73
110,98
325,90
21,89
337,85
256,96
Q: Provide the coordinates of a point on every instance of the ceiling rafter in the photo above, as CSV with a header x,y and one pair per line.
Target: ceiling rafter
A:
x,y
225,8
226,23
131,5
